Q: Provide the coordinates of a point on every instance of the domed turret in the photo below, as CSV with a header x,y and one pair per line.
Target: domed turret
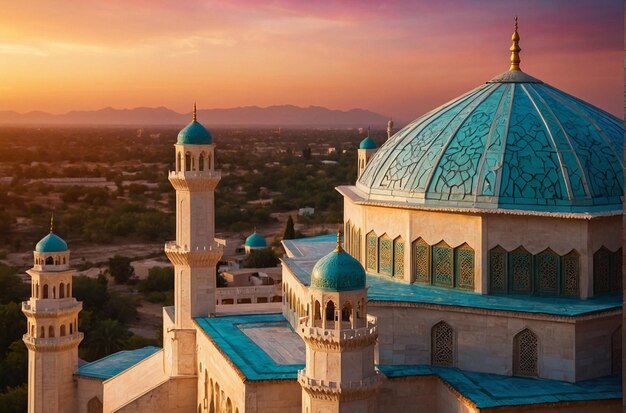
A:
x,y
255,241
338,271
51,243
367,149
194,133
367,143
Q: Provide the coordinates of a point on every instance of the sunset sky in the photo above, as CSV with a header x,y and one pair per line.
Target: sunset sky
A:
x,y
398,58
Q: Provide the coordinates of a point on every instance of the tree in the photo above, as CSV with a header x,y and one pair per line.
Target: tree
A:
x,y
120,269
14,399
92,292
290,231
107,337
263,258
159,279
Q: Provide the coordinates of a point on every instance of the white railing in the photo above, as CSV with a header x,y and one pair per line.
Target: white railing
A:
x,y
196,174
174,247
338,335
48,341
51,304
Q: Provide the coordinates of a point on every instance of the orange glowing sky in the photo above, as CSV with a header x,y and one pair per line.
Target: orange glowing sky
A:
x,y
398,58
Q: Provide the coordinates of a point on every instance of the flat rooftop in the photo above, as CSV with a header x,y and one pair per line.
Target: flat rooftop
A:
x,y
303,253
116,363
264,347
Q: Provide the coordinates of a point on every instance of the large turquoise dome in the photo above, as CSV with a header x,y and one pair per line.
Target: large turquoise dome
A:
x,y
194,134
513,143
51,243
338,271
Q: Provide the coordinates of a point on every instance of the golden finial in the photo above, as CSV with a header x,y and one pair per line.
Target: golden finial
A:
x,y
515,49
194,112
339,248
52,222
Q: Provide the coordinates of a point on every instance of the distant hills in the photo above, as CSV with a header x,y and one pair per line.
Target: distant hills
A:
x,y
277,116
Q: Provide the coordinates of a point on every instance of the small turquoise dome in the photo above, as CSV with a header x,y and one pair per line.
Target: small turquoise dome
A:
x,y
367,143
51,243
338,271
194,134
256,240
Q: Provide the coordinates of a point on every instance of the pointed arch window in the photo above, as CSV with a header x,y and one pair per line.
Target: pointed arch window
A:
x,y
498,270
464,267
201,162
547,272
602,271
570,274
442,345
520,271
188,161
385,255
398,257
371,257
421,261
525,353
443,265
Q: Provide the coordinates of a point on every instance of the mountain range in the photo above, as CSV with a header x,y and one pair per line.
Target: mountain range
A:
x,y
276,116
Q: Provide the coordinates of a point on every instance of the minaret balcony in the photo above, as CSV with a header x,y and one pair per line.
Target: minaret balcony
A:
x,y
333,337
51,307
205,255
334,390
210,174
195,181
53,343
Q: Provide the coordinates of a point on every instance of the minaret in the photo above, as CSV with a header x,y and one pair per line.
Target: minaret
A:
x,y
367,148
52,336
340,375
389,129
194,253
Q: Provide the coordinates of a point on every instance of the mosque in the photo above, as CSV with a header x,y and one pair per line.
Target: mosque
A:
x,y
479,271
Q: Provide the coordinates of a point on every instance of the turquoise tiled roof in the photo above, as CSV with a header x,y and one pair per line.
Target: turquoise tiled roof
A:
x,y
492,390
249,358
338,271
256,240
512,143
51,243
367,143
114,364
194,134
382,288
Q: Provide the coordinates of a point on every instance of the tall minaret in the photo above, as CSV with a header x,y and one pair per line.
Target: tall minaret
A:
x,y
194,253
52,336
367,148
340,375
389,129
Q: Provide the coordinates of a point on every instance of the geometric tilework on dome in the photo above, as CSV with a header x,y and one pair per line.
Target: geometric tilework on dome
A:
x,y
512,143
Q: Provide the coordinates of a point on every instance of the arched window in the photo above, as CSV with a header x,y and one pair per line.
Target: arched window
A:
x,y
51,331
69,293
602,271
346,313
570,274
42,332
49,261
547,272
398,257
62,290
187,161
62,330
317,315
201,162
616,351
63,260
442,345
94,405
45,291
209,162
520,271
385,255
330,314
371,254
229,406
525,353
498,278
464,267
37,291
421,261
443,265
178,159
71,329
54,291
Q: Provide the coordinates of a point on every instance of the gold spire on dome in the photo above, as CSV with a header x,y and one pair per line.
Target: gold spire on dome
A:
x,y
52,223
195,114
515,49
339,248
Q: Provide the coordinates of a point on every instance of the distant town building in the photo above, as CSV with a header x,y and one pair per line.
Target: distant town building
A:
x,y
306,211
